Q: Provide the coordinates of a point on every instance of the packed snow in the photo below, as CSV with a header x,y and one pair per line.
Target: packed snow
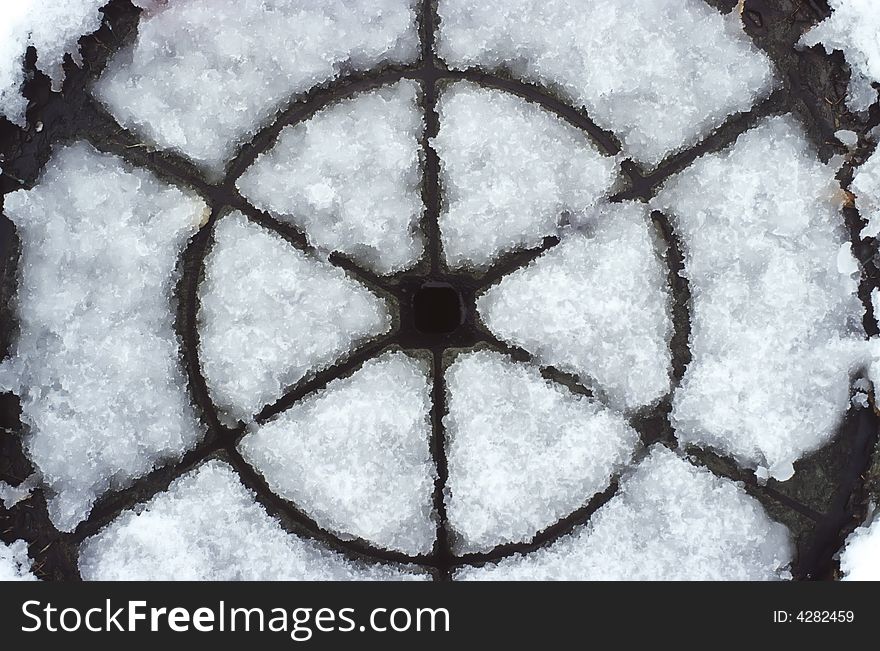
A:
x,y
355,456
776,320
595,305
15,564
522,452
776,334
510,173
693,67
669,521
204,75
96,359
854,28
350,178
847,137
53,28
271,314
208,527
860,559
12,495
865,187
874,344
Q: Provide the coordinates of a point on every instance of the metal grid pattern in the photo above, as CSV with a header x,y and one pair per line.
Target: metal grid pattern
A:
x,y
74,114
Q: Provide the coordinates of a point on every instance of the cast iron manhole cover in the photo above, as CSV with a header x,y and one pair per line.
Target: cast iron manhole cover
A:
x,y
461,307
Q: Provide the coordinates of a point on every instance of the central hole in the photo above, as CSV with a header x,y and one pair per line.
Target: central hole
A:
x,y
437,307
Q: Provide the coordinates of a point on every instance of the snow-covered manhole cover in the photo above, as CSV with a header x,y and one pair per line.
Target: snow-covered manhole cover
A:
x,y
385,290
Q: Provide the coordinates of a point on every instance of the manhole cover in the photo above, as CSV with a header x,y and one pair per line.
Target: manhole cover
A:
x,y
453,297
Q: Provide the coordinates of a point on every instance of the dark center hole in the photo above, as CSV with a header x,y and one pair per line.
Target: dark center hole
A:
x,y
437,307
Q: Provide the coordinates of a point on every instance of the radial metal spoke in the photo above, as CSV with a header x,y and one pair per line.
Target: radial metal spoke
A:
x,y
299,523
606,141
510,262
349,364
144,488
572,382
99,127
303,106
545,537
299,240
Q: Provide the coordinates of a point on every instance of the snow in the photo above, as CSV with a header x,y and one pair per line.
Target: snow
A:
x,y
510,172
776,331
847,137
271,314
15,565
53,27
861,391
522,452
846,261
350,178
12,495
669,521
776,320
854,28
96,359
660,78
355,456
866,188
860,559
204,75
207,527
874,344
595,305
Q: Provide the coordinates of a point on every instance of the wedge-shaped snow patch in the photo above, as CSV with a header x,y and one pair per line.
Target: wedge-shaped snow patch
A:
x,y
776,320
204,75
208,527
522,452
270,314
661,77
96,359
866,188
511,172
670,521
15,564
860,559
350,178
596,305
356,457
854,28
